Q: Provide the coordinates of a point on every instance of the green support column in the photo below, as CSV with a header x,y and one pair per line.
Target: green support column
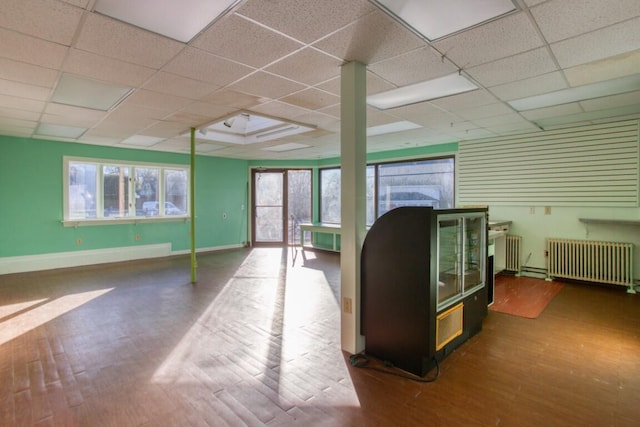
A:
x,y
192,205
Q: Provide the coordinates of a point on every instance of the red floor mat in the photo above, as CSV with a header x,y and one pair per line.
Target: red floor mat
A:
x,y
523,296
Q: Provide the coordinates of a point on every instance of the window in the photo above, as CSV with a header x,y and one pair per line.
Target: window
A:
x,y
415,183
428,182
330,195
107,190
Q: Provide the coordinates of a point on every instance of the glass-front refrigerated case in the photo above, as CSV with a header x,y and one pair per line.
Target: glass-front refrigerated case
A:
x,y
460,256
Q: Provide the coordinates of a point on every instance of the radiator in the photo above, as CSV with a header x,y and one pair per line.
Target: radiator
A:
x,y
591,261
512,260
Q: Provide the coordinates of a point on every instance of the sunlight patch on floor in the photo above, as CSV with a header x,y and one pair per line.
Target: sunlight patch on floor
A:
x,y
38,316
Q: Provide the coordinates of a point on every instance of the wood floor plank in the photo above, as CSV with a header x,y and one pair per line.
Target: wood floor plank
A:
x,y
257,342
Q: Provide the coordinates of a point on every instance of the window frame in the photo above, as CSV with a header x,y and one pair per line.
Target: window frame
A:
x,y
100,218
376,178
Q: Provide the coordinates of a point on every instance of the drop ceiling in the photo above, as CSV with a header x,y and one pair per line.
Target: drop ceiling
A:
x,y
282,59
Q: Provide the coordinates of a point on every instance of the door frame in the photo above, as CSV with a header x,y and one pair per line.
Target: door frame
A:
x,y
285,201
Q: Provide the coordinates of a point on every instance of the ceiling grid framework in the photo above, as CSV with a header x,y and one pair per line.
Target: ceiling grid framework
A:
x,y
282,59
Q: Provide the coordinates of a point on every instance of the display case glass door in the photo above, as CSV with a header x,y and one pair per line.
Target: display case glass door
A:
x,y
474,252
449,259
461,256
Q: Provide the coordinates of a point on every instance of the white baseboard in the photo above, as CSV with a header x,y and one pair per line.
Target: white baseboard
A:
x,y
25,263
21,264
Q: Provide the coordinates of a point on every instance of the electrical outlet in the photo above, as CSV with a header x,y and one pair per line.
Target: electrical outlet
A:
x,y
78,241
137,237
346,305
547,210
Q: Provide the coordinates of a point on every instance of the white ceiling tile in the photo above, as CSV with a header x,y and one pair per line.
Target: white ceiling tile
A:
x,y
44,19
517,67
31,50
333,110
312,99
555,111
21,103
306,20
377,118
609,41
68,120
80,3
322,121
12,113
497,39
504,119
207,109
308,66
22,90
266,85
115,39
615,101
512,128
166,129
280,109
412,67
529,87
12,129
474,98
87,114
233,99
375,84
157,101
106,69
606,69
27,73
173,84
424,114
190,119
23,123
372,38
131,113
562,19
200,65
241,40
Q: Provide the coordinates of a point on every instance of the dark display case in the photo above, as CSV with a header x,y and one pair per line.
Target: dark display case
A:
x,y
423,275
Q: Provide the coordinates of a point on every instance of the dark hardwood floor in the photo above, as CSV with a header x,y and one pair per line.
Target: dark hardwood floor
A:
x,y
257,342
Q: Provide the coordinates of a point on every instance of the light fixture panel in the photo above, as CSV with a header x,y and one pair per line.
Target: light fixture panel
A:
x,y
180,20
142,140
579,93
59,131
81,92
392,127
435,19
424,91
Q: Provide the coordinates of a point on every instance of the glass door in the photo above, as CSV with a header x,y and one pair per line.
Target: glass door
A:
x,y
268,207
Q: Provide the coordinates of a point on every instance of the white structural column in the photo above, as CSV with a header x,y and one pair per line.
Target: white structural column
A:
x,y
353,152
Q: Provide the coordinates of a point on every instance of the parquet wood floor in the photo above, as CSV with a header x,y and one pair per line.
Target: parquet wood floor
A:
x,y
256,342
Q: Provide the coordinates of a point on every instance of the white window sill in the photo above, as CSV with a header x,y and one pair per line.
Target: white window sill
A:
x,y
124,220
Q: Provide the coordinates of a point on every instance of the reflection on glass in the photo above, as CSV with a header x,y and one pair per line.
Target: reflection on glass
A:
x,y
269,224
448,259
473,268
115,191
82,190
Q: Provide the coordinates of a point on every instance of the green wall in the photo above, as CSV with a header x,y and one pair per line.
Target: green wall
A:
x,y
31,208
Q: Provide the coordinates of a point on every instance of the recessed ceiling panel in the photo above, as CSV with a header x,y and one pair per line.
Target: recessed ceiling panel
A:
x,y
435,19
247,128
81,92
179,20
